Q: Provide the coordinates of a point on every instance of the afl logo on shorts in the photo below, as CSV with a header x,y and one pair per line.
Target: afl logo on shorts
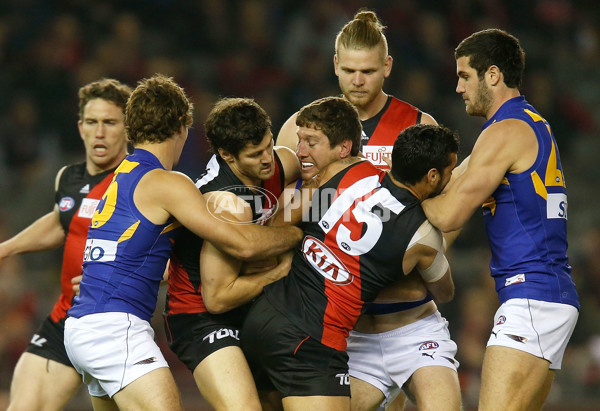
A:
x,y
325,262
501,320
429,345
65,204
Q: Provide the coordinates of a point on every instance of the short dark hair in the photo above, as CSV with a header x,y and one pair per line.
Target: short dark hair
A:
x,y
156,110
234,122
106,89
494,47
420,148
336,117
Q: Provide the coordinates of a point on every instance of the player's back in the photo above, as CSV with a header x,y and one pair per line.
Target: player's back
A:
x,y
125,253
359,227
526,220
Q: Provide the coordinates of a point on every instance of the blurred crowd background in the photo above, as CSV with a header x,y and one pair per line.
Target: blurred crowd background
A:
x,y
280,53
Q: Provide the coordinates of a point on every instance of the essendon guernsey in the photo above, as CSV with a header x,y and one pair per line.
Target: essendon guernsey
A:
x,y
360,226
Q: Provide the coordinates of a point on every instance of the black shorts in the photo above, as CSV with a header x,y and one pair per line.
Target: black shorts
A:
x,y
49,342
193,337
284,357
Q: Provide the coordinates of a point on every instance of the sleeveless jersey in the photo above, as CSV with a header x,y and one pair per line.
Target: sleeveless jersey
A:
x,y
184,294
77,196
380,132
125,254
359,227
526,220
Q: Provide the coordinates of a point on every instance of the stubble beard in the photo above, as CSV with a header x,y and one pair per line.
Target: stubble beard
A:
x,y
483,101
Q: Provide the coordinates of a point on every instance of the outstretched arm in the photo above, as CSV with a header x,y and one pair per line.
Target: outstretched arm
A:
x,y
45,233
161,194
507,146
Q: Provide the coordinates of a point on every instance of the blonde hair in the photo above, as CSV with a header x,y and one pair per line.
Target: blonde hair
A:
x,y
364,31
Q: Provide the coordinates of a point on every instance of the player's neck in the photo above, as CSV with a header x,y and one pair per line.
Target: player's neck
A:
x,y
373,108
500,98
163,151
414,189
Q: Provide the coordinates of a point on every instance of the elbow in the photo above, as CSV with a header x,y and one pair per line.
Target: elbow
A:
x,y
216,305
445,296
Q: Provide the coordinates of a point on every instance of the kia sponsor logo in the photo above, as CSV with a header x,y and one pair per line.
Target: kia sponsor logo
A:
x,y
325,262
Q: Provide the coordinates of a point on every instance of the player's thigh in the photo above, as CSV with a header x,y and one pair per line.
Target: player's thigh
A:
x,y
225,380
436,388
316,403
397,403
511,379
364,396
155,390
104,404
39,383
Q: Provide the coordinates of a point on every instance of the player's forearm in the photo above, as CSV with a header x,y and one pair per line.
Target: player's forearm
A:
x,y
445,214
263,242
224,297
44,234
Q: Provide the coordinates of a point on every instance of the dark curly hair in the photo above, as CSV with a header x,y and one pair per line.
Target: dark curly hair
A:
x,y
420,148
233,123
156,110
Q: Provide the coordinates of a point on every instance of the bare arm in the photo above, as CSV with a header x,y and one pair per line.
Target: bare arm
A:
x,y
427,257
46,233
287,134
290,163
223,288
507,146
428,119
161,194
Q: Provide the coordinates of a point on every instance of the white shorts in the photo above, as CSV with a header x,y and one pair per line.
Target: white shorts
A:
x,y
387,360
111,350
537,327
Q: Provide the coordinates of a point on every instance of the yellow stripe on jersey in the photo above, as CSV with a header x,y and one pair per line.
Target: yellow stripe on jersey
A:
x,y
491,204
171,227
129,232
100,217
554,176
505,181
126,166
539,186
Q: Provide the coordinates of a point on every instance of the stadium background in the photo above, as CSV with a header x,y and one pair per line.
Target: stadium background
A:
x,y
280,53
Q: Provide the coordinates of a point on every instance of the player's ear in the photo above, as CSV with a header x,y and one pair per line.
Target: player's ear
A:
x,y
493,75
433,176
226,155
345,148
335,64
387,67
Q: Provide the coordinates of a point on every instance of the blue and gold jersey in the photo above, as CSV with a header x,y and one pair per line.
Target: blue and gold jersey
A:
x,y
526,220
125,254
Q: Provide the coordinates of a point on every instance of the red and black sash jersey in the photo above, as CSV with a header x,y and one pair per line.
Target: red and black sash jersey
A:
x,y
184,292
380,132
359,227
77,196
